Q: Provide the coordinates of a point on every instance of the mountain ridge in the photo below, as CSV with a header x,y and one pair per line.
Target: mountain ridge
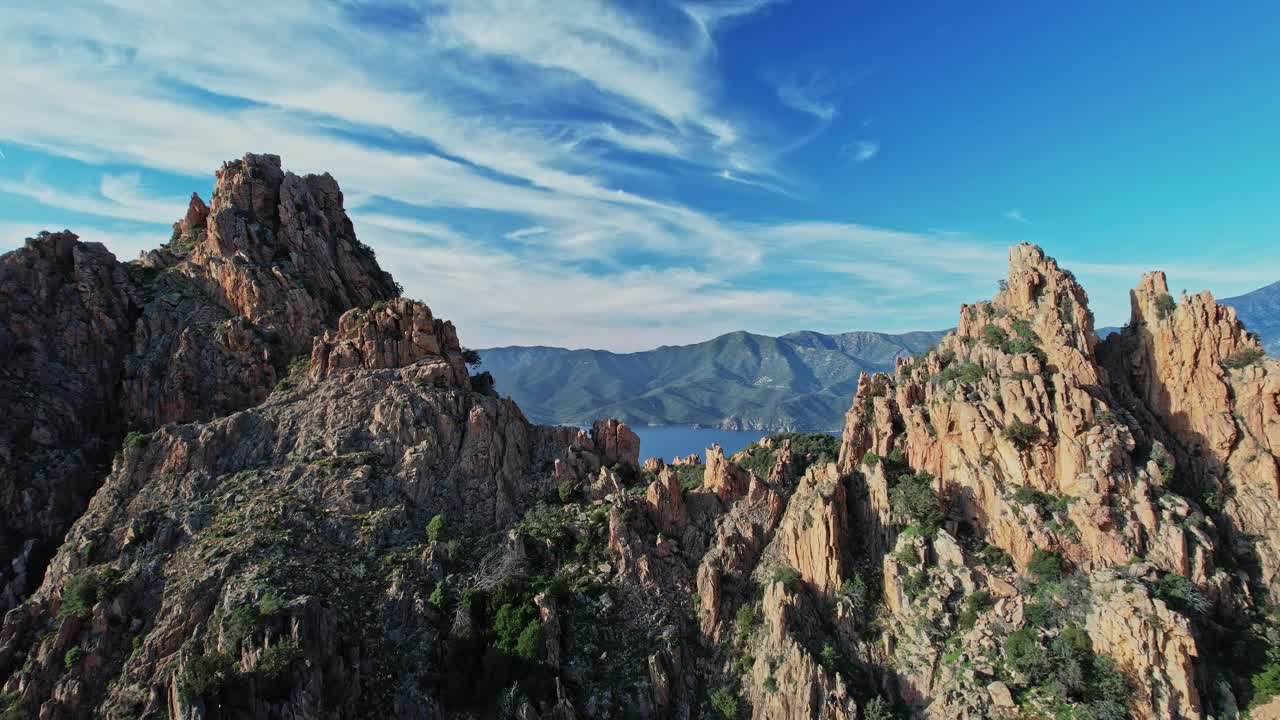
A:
x,y
798,381
517,371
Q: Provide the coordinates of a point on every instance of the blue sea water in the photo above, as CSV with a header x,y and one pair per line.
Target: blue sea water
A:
x,y
668,441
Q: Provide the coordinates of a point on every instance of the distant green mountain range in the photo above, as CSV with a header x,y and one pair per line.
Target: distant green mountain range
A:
x,y
800,381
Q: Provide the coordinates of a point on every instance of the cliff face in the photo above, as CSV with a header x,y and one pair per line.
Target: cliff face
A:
x,y
201,327
66,323
1098,487
321,514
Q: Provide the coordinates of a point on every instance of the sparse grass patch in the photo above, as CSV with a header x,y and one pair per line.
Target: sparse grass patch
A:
x,y
1022,435
1243,359
786,575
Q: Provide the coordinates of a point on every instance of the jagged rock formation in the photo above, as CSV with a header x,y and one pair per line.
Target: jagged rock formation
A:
x,y
66,311
1023,522
1192,366
1137,466
307,495
199,328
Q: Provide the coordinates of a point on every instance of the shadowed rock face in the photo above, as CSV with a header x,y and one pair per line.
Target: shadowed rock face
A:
x,y
196,329
66,323
327,517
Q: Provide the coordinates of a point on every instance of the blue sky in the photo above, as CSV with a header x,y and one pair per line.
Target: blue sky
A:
x,y
626,175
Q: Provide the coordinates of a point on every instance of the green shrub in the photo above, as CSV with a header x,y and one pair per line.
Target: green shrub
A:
x,y
870,458
207,675
1026,655
1024,339
966,373
1181,593
725,702
136,439
470,357
830,658
435,528
1045,566
877,708
1243,359
1266,684
994,556
11,707
907,555
915,584
1048,505
746,622
1165,305
529,643
690,476
1022,435
545,523
277,658
757,460
914,501
73,657
437,598
517,629
785,575
976,604
994,336
270,605
295,374
896,459
568,490
1036,614
87,589
239,626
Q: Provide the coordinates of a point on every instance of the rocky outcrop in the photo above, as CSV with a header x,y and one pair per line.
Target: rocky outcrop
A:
x,y
66,321
1048,447
787,681
302,497
615,443
666,503
1148,640
814,529
726,480
1194,370
199,328
392,335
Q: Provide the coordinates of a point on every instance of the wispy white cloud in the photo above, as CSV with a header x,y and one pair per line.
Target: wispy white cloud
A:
x,y
119,196
1015,215
861,151
526,232
731,176
472,118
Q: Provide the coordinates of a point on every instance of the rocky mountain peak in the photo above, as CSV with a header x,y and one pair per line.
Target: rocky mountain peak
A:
x,y
203,326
